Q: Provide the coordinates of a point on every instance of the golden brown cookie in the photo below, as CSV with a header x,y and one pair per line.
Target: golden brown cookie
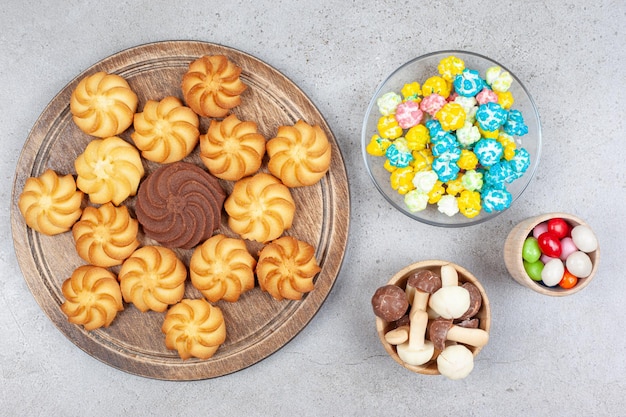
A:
x,y
109,170
194,328
222,268
232,149
211,86
50,204
105,236
299,154
92,297
103,105
286,268
153,278
166,131
260,208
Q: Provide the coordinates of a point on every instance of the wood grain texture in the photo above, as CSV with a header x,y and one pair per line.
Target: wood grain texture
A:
x,y
257,325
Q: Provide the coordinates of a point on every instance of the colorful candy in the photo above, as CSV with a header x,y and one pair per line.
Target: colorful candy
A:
x,y
450,141
552,257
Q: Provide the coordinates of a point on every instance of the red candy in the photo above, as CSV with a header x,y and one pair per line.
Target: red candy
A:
x,y
550,244
559,227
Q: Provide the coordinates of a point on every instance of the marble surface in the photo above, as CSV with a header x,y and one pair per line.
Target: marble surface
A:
x,y
546,356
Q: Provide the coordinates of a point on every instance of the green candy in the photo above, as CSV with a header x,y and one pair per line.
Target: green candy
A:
x,y
530,250
533,269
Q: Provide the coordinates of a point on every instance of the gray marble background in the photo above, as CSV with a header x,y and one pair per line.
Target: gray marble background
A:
x,y
546,356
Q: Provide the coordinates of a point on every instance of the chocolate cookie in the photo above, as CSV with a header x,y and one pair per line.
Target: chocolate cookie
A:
x,y
180,205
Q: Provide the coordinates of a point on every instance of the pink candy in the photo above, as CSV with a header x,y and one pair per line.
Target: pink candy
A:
x,y
432,103
408,114
486,96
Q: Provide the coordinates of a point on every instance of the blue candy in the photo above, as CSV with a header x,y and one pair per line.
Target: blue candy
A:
x,y
488,151
468,83
515,124
491,116
495,199
500,173
520,162
397,157
445,168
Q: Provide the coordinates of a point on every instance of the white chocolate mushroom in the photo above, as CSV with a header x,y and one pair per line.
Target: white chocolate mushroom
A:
x,y
450,302
417,350
455,362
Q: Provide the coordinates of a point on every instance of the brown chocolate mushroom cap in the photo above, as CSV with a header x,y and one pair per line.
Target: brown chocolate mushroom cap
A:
x,y
390,303
476,301
438,332
425,281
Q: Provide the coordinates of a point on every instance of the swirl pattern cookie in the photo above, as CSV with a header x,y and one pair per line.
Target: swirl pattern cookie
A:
x,y
194,328
103,105
232,149
179,205
299,155
211,86
153,278
260,208
222,268
109,170
92,297
286,268
166,131
50,204
105,236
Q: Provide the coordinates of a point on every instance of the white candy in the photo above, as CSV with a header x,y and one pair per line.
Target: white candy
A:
x,y
584,238
579,264
552,272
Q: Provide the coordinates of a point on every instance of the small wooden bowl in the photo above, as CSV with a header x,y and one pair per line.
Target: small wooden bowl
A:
x,y
515,265
400,279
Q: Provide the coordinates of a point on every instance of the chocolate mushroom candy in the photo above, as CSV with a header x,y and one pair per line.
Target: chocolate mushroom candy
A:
x,y
420,285
455,362
442,329
389,302
417,350
400,333
476,301
451,301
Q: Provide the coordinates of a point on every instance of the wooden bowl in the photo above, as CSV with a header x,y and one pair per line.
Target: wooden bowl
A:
x,y
515,265
400,279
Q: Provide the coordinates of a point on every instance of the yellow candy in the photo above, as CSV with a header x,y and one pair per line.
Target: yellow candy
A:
x,y
450,67
377,146
411,91
417,137
505,99
489,134
451,116
508,144
387,165
468,160
455,187
402,180
436,192
436,85
469,203
388,127
422,160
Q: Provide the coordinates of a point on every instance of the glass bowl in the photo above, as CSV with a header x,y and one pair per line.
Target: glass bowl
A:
x,y
419,70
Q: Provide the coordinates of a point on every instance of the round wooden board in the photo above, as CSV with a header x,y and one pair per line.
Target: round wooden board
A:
x,y
257,325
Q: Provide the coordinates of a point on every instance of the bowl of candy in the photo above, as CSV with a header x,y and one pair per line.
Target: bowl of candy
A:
x,y
433,318
553,254
451,138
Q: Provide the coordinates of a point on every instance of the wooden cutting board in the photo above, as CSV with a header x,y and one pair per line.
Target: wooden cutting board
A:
x,y
257,325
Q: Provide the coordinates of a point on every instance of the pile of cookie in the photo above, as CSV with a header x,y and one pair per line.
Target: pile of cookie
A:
x,y
178,205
